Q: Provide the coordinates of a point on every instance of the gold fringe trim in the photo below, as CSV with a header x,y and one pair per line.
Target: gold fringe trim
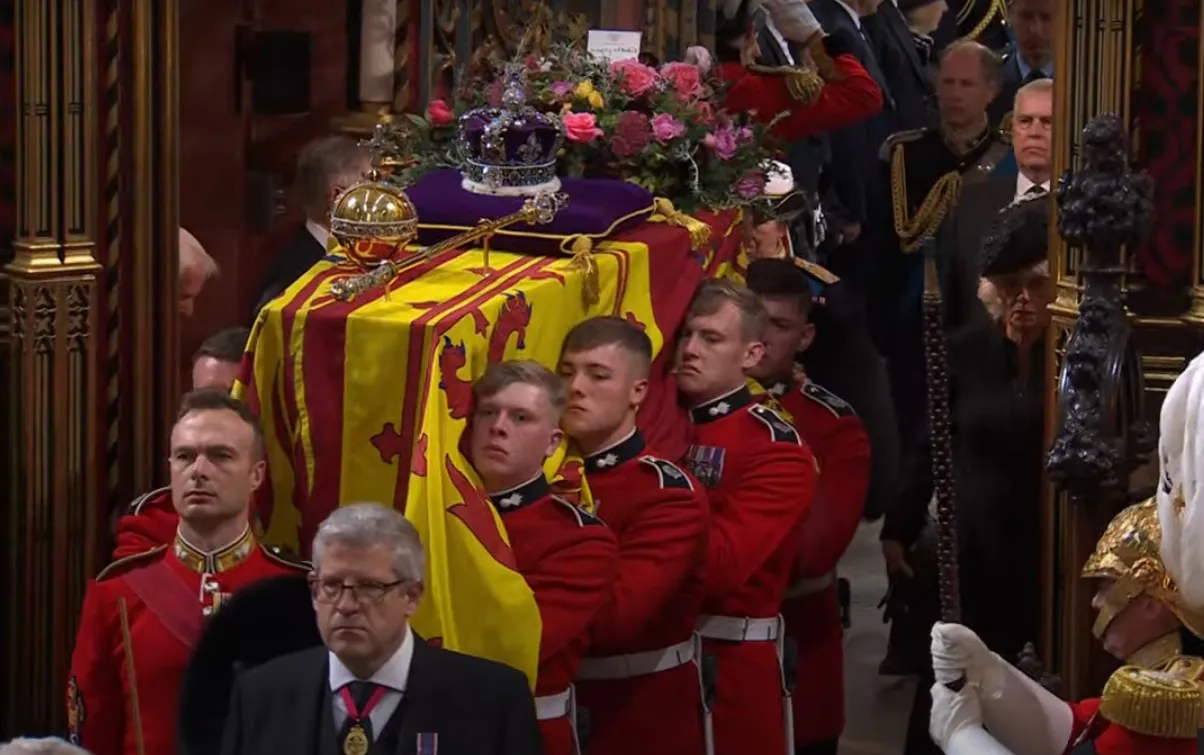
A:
x,y
700,232
583,260
1154,703
932,210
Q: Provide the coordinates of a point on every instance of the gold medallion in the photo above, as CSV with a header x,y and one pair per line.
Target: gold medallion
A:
x,y
356,741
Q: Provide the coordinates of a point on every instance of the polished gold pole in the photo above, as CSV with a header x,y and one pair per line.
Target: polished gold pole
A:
x,y
51,520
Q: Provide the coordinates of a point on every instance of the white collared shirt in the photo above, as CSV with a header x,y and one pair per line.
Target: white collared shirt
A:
x,y
854,14
318,232
1023,184
392,676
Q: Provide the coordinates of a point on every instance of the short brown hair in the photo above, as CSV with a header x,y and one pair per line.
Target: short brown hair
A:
x,y
991,67
501,375
605,331
213,400
320,163
713,294
225,346
776,278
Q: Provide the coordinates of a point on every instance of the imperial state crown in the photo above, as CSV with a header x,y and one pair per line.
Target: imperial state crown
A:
x,y
510,150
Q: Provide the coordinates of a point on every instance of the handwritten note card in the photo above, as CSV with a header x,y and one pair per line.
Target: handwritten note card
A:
x,y
614,45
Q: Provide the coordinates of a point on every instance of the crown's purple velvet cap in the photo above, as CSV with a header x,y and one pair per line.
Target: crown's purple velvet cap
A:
x,y
595,204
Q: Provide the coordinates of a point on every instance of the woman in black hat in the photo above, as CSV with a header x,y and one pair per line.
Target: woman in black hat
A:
x,y
996,370
923,18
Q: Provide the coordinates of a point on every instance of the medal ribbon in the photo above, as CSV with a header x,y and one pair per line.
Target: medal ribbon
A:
x,y
356,715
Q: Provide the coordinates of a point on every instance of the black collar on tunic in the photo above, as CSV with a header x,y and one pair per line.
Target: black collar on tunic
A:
x,y
523,495
611,457
720,407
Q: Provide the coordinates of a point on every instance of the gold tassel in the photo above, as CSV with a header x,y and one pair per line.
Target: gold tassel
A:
x,y
583,259
700,232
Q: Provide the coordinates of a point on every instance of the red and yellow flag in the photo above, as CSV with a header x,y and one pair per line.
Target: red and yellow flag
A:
x,y
366,402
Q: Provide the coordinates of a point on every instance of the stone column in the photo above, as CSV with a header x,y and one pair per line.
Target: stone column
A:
x,y
51,519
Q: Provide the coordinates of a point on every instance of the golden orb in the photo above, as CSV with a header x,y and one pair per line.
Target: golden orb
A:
x,y
372,220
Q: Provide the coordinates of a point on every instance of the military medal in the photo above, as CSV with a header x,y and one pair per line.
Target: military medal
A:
x,y
356,741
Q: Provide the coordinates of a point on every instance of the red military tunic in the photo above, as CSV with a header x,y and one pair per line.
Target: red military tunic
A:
x,y
762,480
150,521
831,429
162,597
568,558
847,96
659,515
1094,735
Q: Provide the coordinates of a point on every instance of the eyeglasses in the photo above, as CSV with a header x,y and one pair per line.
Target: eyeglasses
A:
x,y
331,591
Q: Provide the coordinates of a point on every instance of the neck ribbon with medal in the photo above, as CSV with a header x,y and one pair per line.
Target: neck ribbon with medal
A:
x,y
356,742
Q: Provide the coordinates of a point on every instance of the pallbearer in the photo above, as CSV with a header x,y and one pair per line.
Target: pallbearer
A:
x,y
641,678
831,428
567,555
761,480
143,614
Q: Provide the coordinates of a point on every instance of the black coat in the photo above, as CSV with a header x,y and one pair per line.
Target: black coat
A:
x,y
476,707
998,449
960,246
907,74
290,264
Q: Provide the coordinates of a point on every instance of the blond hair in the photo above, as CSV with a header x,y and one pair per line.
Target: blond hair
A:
x,y
712,294
990,297
194,258
501,375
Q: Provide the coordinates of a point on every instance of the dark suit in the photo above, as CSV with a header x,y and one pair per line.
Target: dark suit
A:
x,y
908,77
856,178
960,244
1010,82
290,264
474,706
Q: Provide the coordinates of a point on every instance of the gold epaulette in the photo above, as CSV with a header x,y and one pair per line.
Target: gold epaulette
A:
x,y
279,555
897,138
803,84
1162,704
913,229
819,272
136,559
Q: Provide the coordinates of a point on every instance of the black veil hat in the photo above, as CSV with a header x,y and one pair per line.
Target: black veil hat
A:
x,y
1018,239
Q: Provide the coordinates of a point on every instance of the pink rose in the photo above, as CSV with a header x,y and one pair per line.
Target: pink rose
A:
x,y
635,78
722,142
685,79
439,114
667,128
703,112
580,127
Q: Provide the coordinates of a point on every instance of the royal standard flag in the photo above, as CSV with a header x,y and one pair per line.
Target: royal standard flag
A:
x,y
366,401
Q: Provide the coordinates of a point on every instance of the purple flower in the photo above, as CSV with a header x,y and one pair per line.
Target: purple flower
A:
x,y
667,128
561,88
751,185
722,142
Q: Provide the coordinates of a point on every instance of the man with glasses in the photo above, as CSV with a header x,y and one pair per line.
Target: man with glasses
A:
x,y
375,686
143,615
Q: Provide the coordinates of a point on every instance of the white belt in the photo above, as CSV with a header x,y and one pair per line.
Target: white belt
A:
x,y
739,628
555,706
810,586
639,664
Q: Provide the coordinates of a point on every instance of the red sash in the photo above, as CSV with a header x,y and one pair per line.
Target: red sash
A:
x,y
170,599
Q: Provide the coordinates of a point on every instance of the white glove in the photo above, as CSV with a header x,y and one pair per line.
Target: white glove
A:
x,y
699,56
959,653
794,20
1021,715
952,712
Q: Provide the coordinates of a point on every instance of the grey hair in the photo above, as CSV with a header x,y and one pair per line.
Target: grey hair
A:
x,y
322,164
990,297
193,257
47,746
1040,86
367,525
